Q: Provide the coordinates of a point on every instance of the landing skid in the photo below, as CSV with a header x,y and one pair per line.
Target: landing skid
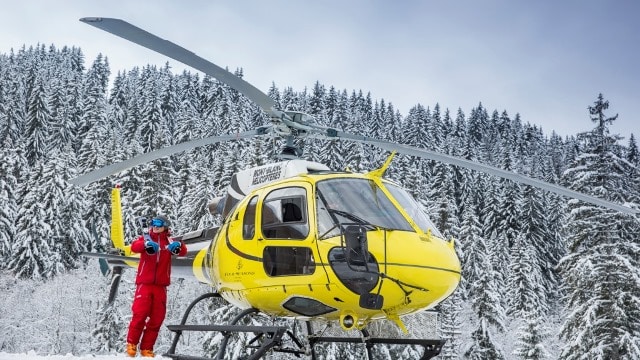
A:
x,y
431,347
282,339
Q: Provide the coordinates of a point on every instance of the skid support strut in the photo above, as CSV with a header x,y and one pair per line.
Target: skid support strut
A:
x,y
266,336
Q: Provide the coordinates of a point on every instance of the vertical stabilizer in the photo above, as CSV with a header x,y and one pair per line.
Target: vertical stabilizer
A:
x,y
117,229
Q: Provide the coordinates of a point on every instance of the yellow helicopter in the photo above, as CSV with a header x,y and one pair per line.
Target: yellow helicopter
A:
x,y
299,240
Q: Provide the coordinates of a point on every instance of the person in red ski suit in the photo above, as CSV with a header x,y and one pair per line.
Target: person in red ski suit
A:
x,y
152,279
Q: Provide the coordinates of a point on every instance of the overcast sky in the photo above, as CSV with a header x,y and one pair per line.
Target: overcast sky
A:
x,y
546,60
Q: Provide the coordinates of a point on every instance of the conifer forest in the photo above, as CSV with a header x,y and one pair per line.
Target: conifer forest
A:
x,y
544,276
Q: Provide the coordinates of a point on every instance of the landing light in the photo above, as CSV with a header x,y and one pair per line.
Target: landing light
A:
x,y
347,322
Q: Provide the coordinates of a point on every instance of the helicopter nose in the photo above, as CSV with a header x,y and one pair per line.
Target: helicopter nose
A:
x,y
423,272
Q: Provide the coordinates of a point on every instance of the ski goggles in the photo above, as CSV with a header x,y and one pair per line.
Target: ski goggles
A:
x,y
157,223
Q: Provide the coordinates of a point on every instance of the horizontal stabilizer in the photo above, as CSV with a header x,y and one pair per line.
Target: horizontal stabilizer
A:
x,y
111,257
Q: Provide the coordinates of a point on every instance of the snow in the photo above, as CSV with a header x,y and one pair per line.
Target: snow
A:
x,y
31,355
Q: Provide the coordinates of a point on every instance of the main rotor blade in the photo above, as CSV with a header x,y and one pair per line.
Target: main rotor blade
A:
x,y
491,170
141,37
156,154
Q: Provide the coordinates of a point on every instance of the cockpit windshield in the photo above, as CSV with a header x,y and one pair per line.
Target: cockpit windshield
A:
x,y
358,201
413,209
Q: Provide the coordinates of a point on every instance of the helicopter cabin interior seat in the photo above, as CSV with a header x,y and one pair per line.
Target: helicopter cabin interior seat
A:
x,y
285,226
291,212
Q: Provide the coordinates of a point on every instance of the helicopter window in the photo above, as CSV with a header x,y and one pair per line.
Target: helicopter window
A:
x,y
413,209
249,221
359,201
285,260
307,307
284,215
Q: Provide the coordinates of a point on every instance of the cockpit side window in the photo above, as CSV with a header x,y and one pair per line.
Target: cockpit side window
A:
x,y
249,220
284,214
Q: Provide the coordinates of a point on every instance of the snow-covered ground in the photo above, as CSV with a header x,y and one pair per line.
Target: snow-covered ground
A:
x,y
33,356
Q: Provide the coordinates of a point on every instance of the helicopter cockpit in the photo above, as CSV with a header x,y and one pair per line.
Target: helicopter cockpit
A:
x,y
361,201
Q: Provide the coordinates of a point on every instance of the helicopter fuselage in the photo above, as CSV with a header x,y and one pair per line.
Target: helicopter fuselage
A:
x,y
331,245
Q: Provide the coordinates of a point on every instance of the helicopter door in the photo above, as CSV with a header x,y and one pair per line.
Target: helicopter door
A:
x,y
285,220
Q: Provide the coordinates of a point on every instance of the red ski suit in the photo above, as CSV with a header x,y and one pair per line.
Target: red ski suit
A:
x,y
150,300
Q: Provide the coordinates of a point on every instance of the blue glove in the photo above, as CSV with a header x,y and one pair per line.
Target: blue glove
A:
x,y
175,247
151,247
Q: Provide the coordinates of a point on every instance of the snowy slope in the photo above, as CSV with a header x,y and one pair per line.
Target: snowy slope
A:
x,y
33,356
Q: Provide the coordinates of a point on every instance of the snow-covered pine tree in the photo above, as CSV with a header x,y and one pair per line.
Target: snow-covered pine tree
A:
x,y
633,154
66,77
534,246
486,302
361,117
554,246
11,163
483,293
71,235
491,232
187,120
526,300
50,230
38,121
524,296
14,102
602,268
170,102
354,155
454,139
336,154
483,344
443,211
31,252
450,325
8,129
531,338
152,129
98,145
507,217
200,190
477,126
156,194
108,333
633,157
315,149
